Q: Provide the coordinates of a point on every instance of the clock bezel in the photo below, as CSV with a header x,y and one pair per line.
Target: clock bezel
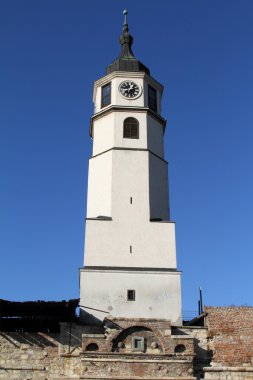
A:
x,y
134,97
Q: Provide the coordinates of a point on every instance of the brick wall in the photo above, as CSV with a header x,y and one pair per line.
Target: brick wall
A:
x,y
230,335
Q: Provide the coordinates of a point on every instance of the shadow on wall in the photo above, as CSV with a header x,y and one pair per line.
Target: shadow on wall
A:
x,y
89,319
202,359
70,335
18,338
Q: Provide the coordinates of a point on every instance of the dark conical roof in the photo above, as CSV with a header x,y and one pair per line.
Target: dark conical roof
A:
x,y
126,60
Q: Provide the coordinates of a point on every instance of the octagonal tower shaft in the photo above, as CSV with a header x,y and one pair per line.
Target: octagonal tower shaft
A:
x,y
130,267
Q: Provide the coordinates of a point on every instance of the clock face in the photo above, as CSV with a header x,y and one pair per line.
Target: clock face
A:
x,y
129,89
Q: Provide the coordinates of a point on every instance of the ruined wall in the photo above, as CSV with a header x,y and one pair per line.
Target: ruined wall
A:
x,y
230,338
25,355
222,350
230,335
202,356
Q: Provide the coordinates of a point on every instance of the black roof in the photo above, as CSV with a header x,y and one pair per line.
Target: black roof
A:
x,y
36,315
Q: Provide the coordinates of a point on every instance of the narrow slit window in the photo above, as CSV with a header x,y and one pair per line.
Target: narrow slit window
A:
x,y
106,95
131,128
131,250
131,200
131,295
152,98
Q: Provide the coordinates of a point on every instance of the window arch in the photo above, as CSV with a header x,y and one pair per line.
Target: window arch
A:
x,y
131,128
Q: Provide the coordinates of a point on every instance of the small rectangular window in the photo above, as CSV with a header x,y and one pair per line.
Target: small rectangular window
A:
x,y
131,295
138,343
152,98
106,95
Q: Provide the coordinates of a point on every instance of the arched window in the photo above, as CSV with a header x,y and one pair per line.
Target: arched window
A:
x,y
131,128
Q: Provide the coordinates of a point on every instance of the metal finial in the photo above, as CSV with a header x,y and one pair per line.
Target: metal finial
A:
x,y
125,13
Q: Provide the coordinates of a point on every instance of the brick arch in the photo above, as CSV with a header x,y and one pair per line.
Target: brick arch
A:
x,y
155,331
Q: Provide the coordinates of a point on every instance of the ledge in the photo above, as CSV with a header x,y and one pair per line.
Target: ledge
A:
x,y
130,149
101,218
156,220
114,108
130,269
124,359
124,377
231,369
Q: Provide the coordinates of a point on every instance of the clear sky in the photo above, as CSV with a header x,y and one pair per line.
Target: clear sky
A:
x,y
51,52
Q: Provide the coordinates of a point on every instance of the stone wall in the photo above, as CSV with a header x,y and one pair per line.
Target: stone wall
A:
x,y
202,356
160,356
25,355
222,350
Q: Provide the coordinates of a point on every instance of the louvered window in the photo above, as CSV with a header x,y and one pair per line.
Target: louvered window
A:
x,y
131,128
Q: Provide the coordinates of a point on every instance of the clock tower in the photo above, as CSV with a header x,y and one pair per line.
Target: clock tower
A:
x,y
130,268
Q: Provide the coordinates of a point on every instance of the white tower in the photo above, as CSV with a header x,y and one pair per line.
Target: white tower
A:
x,y
130,255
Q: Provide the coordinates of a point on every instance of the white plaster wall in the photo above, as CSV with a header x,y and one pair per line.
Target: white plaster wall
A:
x,y
157,294
108,243
103,133
100,186
155,136
158,188
108,133
153,243
130,178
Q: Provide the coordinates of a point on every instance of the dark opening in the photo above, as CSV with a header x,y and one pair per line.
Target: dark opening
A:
x,y
138,343
131,295
92,347
180,348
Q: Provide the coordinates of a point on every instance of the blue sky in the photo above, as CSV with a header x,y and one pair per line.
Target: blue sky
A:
x,y
51,52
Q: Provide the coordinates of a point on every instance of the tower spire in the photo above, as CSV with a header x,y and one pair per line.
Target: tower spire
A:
x,y
126,40
126,60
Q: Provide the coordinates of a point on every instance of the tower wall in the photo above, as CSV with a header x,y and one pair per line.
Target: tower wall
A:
x,y
156,294
108,244
100,186
130,240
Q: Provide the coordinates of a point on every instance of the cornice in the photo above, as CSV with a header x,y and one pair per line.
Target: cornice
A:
x,y
131,74
131,149
111,109
158,270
